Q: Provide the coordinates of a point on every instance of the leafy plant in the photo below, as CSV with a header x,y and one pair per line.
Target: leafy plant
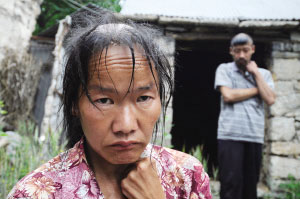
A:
x,y
291,188
30,152
197,153
215,173
2,112
54,10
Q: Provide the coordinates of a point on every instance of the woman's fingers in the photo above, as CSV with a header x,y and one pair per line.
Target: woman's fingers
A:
x,y
142,182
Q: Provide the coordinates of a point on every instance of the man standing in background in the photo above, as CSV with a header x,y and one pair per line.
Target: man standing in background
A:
x,y
244,88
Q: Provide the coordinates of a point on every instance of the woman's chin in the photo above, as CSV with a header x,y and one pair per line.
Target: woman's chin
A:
x,y
124,157
127,160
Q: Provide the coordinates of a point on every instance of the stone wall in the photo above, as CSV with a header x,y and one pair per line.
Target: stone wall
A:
x,y
283,135
52,119
17,21
18,70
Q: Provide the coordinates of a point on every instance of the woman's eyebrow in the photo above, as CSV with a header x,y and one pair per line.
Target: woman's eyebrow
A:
x,y
141,88
101,88
113,90
147,87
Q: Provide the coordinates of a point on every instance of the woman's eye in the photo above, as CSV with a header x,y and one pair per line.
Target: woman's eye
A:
x,y
104,101
143,98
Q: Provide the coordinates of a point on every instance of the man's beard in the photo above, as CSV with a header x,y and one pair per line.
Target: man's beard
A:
x,y
241,64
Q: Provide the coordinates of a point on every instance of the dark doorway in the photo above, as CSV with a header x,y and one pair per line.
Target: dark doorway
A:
x,y
196,104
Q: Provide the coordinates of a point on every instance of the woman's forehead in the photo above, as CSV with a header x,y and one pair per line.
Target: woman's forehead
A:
x,y
119,56
114,70
115,67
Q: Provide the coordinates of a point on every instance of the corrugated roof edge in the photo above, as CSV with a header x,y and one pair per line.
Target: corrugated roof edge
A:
x,y
238,22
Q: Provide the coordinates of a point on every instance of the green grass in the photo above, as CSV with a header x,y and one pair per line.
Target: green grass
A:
x,y
291,188
30,153
2,112
197,153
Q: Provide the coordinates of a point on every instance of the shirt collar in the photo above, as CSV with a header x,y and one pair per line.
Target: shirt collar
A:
x,y
235,68
77,153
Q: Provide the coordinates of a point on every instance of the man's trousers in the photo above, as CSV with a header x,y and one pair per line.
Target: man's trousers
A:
x,y
239,167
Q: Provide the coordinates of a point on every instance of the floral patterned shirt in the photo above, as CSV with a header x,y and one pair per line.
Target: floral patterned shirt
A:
x,y
68,175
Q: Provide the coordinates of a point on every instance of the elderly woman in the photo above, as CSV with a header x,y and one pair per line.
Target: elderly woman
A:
x,y
114,90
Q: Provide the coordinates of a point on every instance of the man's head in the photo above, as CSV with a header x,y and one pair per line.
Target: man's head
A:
x,y
241,49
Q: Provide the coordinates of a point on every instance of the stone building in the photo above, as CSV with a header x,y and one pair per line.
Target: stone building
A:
x,y
197,35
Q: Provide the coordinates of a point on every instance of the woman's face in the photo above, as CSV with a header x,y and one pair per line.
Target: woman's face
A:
x,y
118,129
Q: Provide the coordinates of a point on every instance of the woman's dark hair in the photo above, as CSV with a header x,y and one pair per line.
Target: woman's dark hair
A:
x,y
91,34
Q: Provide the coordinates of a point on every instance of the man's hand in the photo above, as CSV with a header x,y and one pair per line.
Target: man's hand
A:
x,y
252,67
143,182
263,89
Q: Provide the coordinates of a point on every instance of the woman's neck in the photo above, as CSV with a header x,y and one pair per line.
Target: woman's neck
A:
x,y
108,176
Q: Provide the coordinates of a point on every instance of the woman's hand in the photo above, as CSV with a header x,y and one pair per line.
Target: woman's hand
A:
x,y
142,182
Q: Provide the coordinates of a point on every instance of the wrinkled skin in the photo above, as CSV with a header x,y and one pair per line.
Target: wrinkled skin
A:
x,y
119,125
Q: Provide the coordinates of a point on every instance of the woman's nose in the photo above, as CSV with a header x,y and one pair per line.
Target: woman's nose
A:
x,y
125,120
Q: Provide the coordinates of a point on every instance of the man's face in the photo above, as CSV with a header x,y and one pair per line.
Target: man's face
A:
x,y
119,126
242,55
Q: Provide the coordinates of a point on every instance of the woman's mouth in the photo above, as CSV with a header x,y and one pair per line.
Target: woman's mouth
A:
x,y
124,145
